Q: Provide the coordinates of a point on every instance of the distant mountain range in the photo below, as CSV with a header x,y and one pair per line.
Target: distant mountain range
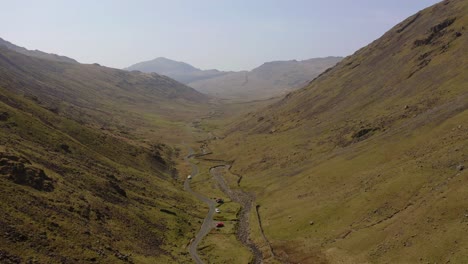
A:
x,y
36,53
180,71
268,80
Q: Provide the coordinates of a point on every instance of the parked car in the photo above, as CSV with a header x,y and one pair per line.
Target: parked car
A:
x,y
219,200
189,177
220,224
217,210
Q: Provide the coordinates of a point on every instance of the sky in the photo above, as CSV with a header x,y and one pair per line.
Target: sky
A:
x,y
208,34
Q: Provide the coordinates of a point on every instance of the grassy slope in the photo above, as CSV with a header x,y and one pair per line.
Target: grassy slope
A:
x,y
368,151
86,216
98,134
149,106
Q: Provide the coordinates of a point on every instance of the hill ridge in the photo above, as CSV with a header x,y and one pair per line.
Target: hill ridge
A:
x,y
36,53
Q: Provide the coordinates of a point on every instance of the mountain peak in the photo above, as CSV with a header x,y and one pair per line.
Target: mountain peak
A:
x,y
164,59
180,71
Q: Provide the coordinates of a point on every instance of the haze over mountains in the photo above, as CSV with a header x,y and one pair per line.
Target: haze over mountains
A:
x,y
266,81
365,163
179,71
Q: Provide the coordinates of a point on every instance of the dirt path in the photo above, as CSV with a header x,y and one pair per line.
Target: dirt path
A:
x,y
245,200
208,221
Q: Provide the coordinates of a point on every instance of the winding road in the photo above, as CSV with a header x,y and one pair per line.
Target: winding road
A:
x,y
208,221
243,198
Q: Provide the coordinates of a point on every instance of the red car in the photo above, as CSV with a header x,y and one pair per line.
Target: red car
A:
x,y
220,224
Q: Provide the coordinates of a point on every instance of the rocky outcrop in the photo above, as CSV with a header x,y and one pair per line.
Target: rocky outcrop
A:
x,y
20,171
4,116
436,32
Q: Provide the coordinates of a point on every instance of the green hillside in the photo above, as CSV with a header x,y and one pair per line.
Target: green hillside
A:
x,y
88,168
366,163
113,100
74,194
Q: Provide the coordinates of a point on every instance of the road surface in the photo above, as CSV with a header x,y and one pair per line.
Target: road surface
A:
x,y
208,221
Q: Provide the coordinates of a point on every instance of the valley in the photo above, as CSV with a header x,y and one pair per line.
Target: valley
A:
x,y
269,80
359,159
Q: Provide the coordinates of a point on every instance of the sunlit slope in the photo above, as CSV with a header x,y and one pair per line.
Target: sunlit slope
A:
x,y
88,163
75,194
365,164
116,100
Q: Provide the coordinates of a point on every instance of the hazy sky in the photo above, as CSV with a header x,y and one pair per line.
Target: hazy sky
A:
x,y
222,34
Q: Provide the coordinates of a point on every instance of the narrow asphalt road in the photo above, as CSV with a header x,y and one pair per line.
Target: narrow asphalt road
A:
x,y
208,222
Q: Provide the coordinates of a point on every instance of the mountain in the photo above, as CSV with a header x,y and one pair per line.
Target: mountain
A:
x,y
367,163
90,92
364,164
36,53
88,168
179,71
268,80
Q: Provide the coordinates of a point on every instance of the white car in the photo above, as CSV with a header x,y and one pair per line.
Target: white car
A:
x,y
189,177
217,210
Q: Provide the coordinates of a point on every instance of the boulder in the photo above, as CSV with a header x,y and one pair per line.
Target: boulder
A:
x,y
20,171
4,116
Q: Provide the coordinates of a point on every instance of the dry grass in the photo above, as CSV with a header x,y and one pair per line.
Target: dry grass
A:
x,y
368,152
